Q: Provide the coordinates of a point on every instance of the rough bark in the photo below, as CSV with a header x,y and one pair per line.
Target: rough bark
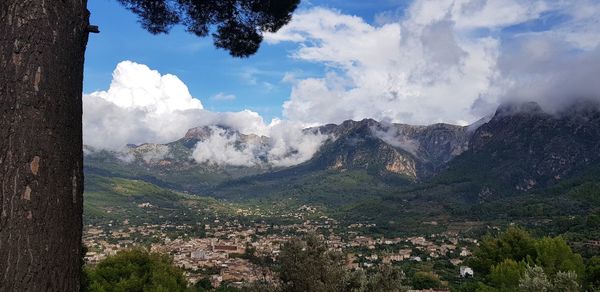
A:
x,y
42,45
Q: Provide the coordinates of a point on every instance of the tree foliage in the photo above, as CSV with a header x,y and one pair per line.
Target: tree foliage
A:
x,y
592,273
425,280
536,280
505,275
307,265
554,255
566,282
384,279
236,25
136,270
514,260
515,244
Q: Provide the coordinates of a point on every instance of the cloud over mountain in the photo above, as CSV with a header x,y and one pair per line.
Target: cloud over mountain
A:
x,y
447,61
143,106
286,145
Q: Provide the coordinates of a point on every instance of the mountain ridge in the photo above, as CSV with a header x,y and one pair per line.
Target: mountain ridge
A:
x,y
504,167
521,147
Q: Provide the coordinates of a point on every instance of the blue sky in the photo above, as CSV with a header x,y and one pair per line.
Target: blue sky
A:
x,y
256,81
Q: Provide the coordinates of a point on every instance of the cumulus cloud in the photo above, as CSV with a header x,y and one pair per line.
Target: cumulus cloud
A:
x,y
437,61
401,71
544,70
135,86
137,109
143,106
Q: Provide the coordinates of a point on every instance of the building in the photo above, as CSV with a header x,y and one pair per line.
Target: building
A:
x,y
466,272
199,254
227,249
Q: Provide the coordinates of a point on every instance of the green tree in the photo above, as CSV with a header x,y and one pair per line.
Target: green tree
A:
x,y
136,270
384,279
554,255
425,280
592,273
260,287
356,281
566,282
505,275
535,280
203,285
475,286
239,24
307,265
515,243
387,279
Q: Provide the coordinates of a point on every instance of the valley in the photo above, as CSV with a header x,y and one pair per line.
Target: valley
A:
x,y
370,190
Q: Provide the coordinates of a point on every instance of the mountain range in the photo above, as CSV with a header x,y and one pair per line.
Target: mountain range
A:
x,y
438,171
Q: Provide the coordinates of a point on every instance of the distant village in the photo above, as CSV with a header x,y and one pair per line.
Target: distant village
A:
x,y
219,250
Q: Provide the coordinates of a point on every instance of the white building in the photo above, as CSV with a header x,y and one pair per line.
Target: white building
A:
x,y
466,272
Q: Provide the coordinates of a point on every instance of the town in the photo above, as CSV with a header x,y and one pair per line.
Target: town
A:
x,y
239,251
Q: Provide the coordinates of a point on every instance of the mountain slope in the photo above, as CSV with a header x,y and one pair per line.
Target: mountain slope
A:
x,y
523,148
115,199
520,149
521,165
412,151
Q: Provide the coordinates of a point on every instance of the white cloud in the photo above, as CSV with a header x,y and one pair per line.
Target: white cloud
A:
x,y
438,61
287,145
224,149
154,152
142,106
395,137
290,145
223,96
544,70
400,71
136,110
135,86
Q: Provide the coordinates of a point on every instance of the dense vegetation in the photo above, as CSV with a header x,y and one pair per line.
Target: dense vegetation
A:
x,y
509,261
514,260
135,270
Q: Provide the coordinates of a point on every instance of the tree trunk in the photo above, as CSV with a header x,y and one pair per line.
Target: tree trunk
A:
x,y
42,45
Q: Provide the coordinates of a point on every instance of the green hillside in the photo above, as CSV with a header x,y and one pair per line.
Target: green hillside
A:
x,y
119,199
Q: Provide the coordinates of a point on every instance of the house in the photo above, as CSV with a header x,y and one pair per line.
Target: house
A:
x,y
466,272
199,254
456,262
